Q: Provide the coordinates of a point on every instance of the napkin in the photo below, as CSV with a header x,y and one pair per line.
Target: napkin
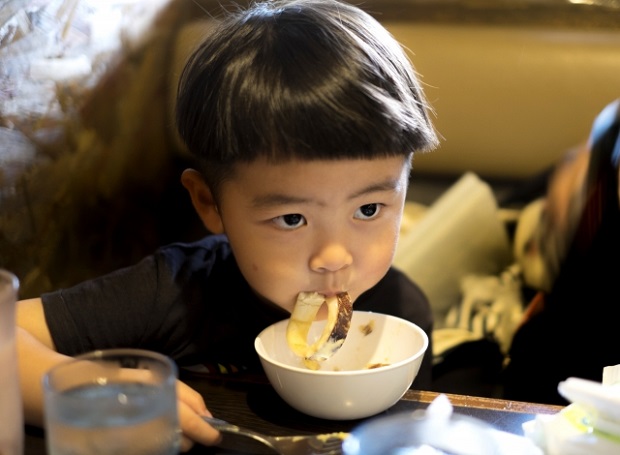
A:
x,y
460,234
590,425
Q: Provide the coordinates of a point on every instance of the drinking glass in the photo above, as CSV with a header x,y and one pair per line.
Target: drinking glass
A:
x,y
115,401
11,415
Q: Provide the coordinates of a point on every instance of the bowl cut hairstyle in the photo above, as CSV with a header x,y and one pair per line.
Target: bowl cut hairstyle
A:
x,y
299,79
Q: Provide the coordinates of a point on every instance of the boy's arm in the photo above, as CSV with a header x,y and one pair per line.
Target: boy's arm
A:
x,y
36,354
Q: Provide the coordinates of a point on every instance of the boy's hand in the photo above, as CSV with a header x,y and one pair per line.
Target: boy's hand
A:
x,y
194,429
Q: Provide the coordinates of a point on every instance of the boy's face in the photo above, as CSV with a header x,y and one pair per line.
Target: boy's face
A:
x,y
325,226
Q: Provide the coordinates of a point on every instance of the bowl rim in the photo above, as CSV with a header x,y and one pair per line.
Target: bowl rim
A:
x,y
368,371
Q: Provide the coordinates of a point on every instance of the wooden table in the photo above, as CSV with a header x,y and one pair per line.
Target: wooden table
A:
x,y
251,402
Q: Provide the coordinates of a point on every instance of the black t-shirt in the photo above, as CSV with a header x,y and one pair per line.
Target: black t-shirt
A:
x,y
190,302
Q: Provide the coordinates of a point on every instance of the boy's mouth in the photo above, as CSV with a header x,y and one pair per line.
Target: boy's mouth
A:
x,y
329,294
331,290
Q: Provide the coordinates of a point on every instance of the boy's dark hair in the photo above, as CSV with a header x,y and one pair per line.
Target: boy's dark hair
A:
x,y
304,79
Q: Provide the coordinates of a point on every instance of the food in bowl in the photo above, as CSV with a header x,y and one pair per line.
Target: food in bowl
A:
x,y
372,370
339,312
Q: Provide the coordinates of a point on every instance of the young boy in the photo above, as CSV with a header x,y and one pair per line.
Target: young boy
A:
x,y
303,116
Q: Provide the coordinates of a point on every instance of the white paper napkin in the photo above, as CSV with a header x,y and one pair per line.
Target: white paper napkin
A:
x,y
590,425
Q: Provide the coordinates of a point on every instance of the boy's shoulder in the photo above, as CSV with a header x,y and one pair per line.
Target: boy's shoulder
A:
x,y
210,242
209,247
397,285
208,256
398,295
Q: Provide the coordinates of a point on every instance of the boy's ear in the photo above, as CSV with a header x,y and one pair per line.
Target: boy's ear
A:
x,y
202,200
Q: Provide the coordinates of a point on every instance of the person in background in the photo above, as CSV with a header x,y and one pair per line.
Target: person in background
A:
x,y
303,117
570,256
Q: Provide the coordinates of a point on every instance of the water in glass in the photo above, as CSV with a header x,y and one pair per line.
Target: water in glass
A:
x,y
106,416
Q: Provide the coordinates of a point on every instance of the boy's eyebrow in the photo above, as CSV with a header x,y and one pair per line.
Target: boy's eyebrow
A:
x,y
386,185
275,199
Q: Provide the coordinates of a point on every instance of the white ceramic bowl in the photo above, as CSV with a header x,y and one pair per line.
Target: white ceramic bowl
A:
x,y
346,387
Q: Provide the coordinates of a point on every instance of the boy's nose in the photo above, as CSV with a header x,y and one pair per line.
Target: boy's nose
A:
x,y
330,258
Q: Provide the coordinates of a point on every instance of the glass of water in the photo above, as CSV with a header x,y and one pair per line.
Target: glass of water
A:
x,y
115,401
11,415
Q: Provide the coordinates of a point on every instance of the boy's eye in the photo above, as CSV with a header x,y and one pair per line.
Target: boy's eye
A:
x,y
368,211
290,221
